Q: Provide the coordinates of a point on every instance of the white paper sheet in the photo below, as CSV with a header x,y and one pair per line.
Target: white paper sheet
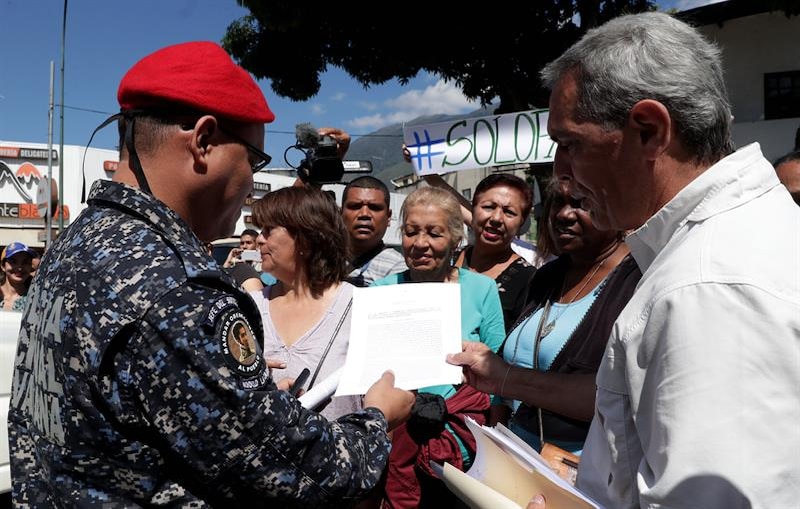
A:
x,y
408,328
321,391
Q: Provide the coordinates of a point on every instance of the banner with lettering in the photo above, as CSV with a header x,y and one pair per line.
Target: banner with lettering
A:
x,y
469,143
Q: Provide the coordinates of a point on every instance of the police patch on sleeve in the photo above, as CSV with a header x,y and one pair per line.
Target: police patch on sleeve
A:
x,y
240,350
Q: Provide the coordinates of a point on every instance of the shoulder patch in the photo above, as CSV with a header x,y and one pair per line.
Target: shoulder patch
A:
x,y
216,309
238,344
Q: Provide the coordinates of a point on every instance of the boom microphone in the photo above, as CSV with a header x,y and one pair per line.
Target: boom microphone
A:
x,y
307,135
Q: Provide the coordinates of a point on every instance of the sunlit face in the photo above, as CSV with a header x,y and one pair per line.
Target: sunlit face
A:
x,y
278,253
366,217
594,159
18,268
247,242
497,216
789,175
571,228
427,243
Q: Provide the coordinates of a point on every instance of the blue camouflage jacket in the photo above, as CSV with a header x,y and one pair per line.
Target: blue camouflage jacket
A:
x,y
139,380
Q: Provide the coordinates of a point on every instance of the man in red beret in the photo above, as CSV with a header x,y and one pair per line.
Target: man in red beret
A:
x,y
129,389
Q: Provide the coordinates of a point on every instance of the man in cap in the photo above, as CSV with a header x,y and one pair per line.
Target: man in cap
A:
x,y
130,388
17,265
697,399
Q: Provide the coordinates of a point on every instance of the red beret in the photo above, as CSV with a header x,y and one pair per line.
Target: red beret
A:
x,y
199,75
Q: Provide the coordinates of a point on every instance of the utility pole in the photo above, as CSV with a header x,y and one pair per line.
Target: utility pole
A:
x,y
61,141
49,219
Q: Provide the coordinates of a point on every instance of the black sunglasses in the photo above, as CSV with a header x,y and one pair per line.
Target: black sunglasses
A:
x,y
263,157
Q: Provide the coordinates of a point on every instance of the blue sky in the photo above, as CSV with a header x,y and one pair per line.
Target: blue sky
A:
x,y
105,37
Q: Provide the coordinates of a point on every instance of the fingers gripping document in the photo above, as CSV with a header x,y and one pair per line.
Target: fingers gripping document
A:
x,y
407,328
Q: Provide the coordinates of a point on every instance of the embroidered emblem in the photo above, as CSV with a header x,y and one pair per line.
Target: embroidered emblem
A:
x,y
217,308
238,345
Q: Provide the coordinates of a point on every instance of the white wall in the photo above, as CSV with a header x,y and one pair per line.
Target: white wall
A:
x,y
752,46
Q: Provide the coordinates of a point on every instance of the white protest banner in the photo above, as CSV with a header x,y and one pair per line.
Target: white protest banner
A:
x,y
469,143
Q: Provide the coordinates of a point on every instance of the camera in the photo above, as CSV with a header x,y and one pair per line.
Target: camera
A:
x,y
321,164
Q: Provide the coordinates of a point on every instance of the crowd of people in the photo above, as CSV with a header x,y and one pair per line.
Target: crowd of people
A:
x,y
655,346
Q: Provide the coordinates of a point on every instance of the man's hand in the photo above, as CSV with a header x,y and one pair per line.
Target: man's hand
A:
x,y
285,383
483,369
233,257
341,137
394,403
537,502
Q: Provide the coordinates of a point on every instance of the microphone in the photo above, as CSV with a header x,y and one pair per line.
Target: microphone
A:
x,y
307,135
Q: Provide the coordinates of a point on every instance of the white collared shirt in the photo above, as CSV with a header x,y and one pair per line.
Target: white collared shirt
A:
x,y
698,401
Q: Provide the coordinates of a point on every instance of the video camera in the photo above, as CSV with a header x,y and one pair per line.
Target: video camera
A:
x,y
321,164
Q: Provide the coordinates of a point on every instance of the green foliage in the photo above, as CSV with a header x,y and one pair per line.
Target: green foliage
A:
x,y
494,51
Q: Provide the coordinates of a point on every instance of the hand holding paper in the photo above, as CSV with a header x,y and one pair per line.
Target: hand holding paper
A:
x,y
483,369
393,402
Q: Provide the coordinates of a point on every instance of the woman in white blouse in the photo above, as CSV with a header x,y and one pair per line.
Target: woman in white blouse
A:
x,y
306,313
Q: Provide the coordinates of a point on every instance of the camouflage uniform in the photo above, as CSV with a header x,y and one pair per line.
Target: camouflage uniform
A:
x,y
130,386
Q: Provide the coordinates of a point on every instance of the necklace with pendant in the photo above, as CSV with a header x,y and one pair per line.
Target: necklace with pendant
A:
x,y
548,328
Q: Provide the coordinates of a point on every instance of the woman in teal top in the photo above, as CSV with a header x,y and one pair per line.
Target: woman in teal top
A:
x,y
431,230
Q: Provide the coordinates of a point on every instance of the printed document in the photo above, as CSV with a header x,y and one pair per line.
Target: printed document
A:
x,y
407,328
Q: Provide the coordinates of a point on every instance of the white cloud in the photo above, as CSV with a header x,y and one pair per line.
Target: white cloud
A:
x,y
369,122
381,120
340,96
318,109
440,98
368,105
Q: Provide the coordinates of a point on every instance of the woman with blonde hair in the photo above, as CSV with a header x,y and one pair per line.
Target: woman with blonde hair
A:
x,y
431,231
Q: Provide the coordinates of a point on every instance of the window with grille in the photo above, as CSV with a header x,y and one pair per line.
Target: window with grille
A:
x,y
781,95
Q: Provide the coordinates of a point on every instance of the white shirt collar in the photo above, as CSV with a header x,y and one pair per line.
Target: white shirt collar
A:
x,y
728,183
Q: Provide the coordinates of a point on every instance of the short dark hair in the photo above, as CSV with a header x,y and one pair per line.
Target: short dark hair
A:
x,y
150,132
787,158
250,232
315,223
509,180
366,182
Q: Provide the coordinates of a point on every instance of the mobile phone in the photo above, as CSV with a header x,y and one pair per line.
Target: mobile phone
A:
x,y
299,382
250,255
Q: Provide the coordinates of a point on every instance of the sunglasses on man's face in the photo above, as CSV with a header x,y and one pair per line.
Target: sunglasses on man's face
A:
x,y
262,158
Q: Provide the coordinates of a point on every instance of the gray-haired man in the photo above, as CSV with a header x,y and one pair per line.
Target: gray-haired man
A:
x,y
697,396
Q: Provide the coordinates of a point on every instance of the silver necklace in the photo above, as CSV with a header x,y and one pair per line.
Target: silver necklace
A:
x,y
547,329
